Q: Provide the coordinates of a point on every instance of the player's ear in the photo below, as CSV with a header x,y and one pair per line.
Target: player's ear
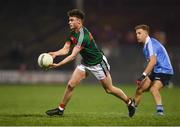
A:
x,y
79,20
146,32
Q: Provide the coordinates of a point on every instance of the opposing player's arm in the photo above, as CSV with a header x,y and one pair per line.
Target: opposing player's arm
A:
x,y
151,64
69,58
62,51
148,69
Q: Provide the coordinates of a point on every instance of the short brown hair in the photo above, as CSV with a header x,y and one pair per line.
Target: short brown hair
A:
x,y
77,13
142,26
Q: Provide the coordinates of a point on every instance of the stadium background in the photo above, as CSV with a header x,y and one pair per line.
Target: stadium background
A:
x,y
28,28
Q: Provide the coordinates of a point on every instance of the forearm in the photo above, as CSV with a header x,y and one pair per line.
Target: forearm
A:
x,y
151,64
61,52
143,76
66,60
149,68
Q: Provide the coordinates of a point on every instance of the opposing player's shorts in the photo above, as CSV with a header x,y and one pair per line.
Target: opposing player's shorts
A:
x,y
164,78
99,71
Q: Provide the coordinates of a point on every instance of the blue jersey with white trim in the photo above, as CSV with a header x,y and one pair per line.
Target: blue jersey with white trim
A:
x,y
163,63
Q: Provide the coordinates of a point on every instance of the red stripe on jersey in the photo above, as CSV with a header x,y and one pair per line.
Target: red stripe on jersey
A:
x,y
73,39
91,37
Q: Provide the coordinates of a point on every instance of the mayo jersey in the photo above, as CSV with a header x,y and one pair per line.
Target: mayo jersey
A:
x,y
91,54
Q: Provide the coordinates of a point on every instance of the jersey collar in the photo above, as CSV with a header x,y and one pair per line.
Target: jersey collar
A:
x,y
147,40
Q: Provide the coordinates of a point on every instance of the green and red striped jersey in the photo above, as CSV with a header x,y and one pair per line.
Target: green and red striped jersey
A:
x,y
91,54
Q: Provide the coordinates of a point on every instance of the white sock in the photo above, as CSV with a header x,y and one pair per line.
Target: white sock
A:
x,y
61,108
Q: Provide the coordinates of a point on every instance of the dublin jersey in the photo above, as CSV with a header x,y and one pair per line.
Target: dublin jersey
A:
x,y
91,54
154,47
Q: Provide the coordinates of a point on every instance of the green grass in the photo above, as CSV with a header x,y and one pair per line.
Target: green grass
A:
x,y
90,105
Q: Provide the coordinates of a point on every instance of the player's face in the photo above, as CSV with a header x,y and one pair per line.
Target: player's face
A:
x,y
74,22
141,35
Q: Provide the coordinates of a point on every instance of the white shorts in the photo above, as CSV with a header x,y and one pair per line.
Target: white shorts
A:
x,y
99,71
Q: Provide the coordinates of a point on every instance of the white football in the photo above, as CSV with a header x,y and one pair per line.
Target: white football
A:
x,y
44,60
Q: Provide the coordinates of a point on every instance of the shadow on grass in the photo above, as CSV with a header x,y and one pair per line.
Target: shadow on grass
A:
x,y
68,115
22,115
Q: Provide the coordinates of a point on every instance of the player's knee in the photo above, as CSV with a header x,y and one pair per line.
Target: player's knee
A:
x,y
71,85
109,90
153,90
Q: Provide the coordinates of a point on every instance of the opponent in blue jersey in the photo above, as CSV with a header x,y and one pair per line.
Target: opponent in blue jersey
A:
x,y
158,70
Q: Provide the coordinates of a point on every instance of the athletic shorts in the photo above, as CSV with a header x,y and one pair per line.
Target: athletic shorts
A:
x,y
99,71
164,78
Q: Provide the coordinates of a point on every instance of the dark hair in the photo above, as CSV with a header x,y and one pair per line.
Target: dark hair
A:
x,y
77,13
142,26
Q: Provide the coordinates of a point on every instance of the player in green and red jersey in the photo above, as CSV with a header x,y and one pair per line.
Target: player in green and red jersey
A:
x,y
93,60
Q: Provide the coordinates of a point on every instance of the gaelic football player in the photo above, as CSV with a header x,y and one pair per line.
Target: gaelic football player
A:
x,y
93,60
158,71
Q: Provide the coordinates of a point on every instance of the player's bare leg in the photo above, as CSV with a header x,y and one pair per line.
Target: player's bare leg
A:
x,y
155,88
139,91
76,77
109,88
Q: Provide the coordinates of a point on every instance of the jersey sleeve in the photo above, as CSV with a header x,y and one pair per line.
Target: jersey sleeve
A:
x,y
80,39
151,49
68,40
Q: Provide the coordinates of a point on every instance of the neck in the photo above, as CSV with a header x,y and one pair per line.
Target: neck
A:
x,y
78,28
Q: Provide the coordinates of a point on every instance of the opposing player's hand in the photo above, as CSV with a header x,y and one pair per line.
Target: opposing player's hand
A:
x,y
140,80
53,54
54,65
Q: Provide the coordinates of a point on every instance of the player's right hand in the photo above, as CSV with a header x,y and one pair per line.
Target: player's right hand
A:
x,y
54,65
140,80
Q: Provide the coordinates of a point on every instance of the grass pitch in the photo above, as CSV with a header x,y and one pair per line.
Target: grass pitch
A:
x,y
90,105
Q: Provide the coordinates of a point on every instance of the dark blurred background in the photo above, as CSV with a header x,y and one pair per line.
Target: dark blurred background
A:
x,y
31,27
